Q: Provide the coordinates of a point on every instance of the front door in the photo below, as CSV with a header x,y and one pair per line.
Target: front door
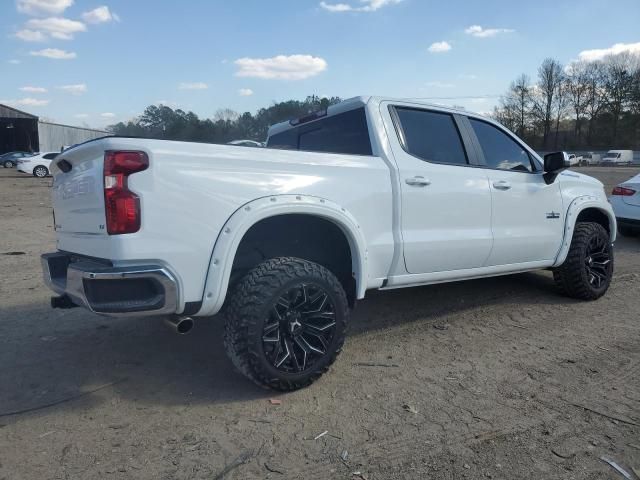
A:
x,y
527,214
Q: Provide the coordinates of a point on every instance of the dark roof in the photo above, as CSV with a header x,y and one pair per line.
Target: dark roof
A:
x,y
10,112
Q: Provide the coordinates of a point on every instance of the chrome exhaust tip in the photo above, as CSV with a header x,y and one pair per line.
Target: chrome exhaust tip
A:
x,y
180,325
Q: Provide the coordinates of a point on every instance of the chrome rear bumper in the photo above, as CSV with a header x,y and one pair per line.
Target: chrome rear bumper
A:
x,y
104,289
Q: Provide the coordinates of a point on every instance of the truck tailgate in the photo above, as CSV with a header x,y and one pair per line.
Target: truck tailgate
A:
x,y
78,195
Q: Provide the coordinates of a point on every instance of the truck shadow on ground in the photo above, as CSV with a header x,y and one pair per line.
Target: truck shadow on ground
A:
x,y
51,355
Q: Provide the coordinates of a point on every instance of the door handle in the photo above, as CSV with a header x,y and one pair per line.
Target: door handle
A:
x,y
501,185
418,181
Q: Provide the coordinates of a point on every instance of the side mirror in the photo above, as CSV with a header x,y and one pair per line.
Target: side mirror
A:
x,y
554,163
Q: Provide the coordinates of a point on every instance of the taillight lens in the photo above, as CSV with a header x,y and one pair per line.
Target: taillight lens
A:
x,y
122,206
622,191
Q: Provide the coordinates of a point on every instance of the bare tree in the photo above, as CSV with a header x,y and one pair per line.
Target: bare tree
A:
x,y
226,115
549,79
618,84
577,92
594,77
514,107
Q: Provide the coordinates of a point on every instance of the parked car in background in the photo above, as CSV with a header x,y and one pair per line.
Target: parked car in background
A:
x,y
618,157
591,159
10,159
37,165
625,200
574,160
246,143
285,239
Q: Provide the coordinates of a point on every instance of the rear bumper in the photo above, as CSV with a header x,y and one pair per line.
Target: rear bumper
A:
x,y
104,289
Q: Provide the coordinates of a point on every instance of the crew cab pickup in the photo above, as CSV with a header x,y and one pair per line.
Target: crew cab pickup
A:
x,y
373,193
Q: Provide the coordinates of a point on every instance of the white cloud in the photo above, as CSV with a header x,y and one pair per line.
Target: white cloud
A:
x,y
245,92
108,115
282,67
54,53
26,102
365,6
468,76
81,115
439,47
479,100
14,61
30,89
30,35
193,86
77,89
43,7
600,53
478,31
437,84
100,15
56,27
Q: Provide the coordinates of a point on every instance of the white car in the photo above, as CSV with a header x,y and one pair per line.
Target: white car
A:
x,y
37,165
625,200
246,143
371,194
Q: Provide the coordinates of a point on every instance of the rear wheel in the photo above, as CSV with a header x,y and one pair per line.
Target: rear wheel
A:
x,y
286,323
8,164
40,171
586,273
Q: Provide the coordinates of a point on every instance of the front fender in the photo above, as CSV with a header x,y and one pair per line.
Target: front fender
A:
x,y
578,205
226,246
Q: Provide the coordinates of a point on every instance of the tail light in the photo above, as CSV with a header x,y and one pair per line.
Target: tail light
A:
x,y
622,191
122,206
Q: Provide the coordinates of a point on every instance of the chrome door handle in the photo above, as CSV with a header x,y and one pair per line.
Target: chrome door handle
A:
x,y
501,185
418,181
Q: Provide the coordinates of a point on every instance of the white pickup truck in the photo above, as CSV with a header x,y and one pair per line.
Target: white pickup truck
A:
x,y
374,193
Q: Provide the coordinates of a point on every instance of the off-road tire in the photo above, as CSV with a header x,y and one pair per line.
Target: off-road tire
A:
x,y
572,276
246,312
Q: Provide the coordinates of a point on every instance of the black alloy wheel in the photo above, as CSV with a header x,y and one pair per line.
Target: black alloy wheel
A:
x,y
299,328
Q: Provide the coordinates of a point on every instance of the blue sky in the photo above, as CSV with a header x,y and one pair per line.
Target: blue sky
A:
x,y
98,62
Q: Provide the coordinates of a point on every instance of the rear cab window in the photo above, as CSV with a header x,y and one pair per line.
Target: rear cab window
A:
x,y
430,136
345,133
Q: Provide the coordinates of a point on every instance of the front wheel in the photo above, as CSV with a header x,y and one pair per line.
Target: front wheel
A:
x,y
40,171
7,164
586,273
286,323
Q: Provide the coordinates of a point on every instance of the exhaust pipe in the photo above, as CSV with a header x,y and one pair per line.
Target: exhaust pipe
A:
x,y
181,325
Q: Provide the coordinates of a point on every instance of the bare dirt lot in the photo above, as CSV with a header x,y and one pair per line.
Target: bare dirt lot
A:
x,y
499,378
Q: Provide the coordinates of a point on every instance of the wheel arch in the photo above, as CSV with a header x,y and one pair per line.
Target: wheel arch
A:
x,y
587,208
252,213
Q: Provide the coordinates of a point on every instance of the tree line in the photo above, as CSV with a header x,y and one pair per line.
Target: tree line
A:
x,y
163,122
582,106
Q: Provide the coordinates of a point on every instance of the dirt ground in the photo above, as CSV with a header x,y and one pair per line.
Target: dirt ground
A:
x,y
500,378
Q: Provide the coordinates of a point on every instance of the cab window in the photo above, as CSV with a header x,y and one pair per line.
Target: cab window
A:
x,y
500,150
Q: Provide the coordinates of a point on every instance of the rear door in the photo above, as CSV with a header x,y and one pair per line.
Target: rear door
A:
x,y
527,214
446,202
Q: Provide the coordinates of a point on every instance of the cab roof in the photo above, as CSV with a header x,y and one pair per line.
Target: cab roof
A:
x,y
357,102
